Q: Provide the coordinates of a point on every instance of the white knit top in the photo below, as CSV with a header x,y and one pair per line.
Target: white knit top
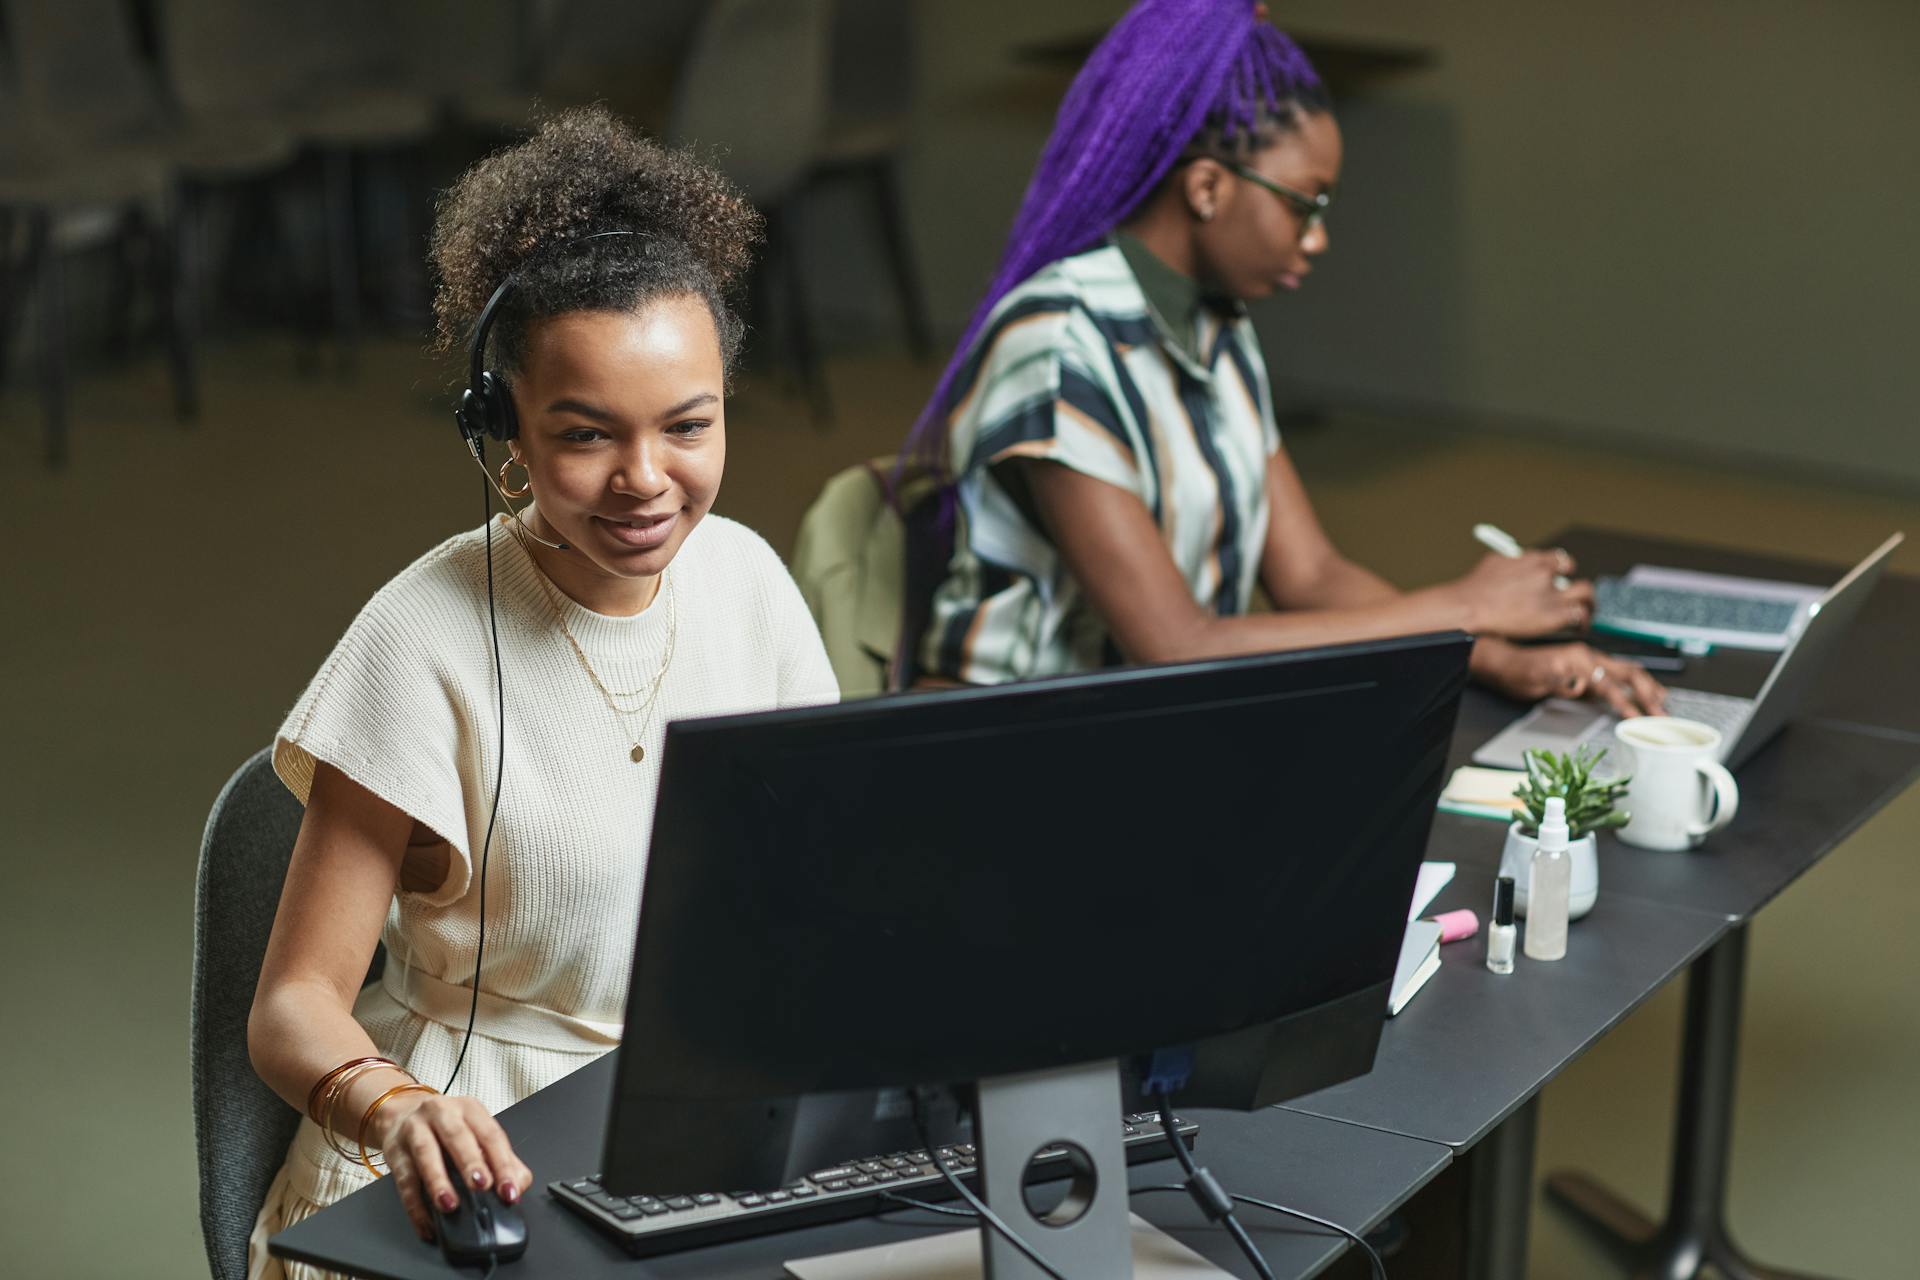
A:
x,y
405,707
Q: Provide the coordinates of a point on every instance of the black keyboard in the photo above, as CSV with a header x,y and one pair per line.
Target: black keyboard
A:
x,y
662,1223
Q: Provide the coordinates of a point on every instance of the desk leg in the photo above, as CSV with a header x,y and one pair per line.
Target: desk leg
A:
x,y
1500,1197
1694,1237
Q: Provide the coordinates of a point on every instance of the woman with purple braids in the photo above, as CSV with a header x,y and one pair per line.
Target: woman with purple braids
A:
x,y
1107,424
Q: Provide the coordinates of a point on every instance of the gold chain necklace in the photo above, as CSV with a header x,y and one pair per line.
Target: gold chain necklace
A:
x,y
651,691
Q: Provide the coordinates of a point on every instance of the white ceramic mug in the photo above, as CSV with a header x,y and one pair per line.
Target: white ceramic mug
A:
x,y
1680,793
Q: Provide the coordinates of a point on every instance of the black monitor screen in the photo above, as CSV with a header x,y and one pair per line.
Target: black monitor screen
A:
x,y
947,886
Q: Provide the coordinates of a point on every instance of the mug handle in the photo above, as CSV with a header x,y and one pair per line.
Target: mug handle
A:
x,y
1726,800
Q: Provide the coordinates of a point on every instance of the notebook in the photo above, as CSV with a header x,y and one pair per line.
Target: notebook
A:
x,y
1419,960
1420,946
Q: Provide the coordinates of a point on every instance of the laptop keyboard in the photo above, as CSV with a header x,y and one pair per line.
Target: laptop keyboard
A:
x,y
1619,602
1728,715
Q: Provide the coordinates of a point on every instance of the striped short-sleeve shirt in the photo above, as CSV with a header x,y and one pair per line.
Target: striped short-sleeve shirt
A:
x,y
1075,366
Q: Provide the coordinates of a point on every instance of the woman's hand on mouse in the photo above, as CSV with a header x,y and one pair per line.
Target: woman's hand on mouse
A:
x,y
1530,673
422,1139
1521,596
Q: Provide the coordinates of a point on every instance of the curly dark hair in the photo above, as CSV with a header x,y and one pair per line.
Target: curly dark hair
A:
x,y
525,209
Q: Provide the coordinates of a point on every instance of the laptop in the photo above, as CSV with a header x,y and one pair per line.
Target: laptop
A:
x,y
1745,724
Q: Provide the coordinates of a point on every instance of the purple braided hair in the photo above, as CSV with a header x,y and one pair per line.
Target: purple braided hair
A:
x,y
1168,70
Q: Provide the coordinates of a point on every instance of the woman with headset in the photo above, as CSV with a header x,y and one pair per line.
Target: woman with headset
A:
x,y
478,757
1119,484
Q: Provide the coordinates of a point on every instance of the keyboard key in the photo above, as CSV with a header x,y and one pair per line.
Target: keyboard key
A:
x,y
624,1212
750,1202
885,1175
679,1202
779,1197
836,1184
706,1198
871,1166
896,1162
653,1209
585,1186
830,1175
861,1181
802,1191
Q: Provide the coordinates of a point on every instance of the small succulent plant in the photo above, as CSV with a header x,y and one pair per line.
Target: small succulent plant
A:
x,y
1590,801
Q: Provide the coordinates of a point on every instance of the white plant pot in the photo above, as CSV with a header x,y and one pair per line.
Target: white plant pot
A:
x,y
1517,858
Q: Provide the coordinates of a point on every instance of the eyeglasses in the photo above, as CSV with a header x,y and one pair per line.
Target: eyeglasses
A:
x,y
1312,209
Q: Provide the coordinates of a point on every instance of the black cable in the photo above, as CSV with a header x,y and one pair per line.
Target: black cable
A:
x,y
965,1192
1207,1193
908,1202
1373,1255
499,772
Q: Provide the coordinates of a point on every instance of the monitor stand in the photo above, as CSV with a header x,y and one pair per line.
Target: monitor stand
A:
x,y
1090,1232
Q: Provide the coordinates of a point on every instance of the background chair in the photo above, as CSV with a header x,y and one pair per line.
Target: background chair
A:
x,y
88,161
241,1128
753,94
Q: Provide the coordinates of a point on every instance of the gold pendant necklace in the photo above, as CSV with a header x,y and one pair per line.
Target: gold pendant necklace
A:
x,y
651,690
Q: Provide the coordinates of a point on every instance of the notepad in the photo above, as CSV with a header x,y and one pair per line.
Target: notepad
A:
x,y
1474,792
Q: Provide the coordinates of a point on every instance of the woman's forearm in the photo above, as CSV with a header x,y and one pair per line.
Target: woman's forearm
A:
x,y
1204,635
297,1033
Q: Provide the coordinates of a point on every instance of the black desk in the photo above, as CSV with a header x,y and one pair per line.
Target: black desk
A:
x,y
1464,1063
1341,1172
1474,1046
1854,749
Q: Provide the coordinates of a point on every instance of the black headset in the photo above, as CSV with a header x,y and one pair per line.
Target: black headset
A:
x,y
485,411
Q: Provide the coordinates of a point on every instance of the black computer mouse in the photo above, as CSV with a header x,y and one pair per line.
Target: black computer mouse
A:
x,y
484,1229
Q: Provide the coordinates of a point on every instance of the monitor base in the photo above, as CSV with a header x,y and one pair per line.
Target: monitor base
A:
x,y
955,1255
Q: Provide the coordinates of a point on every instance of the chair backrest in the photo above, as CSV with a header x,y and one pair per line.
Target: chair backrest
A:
x,y
754,88
239,58
868,574
241,1128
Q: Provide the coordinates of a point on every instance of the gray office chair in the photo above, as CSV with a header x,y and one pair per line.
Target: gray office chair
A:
x,y
241,1128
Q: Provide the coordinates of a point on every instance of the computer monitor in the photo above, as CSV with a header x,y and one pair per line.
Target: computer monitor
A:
x,y
944,887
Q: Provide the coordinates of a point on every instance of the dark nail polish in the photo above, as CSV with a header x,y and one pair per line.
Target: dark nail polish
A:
x,y
449,1201
510,1193
478,1177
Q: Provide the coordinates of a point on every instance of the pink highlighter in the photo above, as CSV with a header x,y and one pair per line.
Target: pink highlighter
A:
x,y
1455,925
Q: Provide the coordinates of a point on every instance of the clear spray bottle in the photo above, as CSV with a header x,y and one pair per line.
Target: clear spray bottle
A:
x,y
1548,882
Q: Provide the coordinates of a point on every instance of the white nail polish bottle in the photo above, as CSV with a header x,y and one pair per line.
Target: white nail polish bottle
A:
x,y
1500,931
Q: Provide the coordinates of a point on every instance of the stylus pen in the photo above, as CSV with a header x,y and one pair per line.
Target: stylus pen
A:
x,y
1653,661
1494,538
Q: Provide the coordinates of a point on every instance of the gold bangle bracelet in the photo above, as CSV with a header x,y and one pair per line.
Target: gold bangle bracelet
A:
x,y
331,1102
320,1085
366,1121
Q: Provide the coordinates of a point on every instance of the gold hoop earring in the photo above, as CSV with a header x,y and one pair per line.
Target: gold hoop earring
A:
x,y
508,489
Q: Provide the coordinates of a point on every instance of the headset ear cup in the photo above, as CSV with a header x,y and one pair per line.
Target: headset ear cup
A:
x,y
471,418
501,422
